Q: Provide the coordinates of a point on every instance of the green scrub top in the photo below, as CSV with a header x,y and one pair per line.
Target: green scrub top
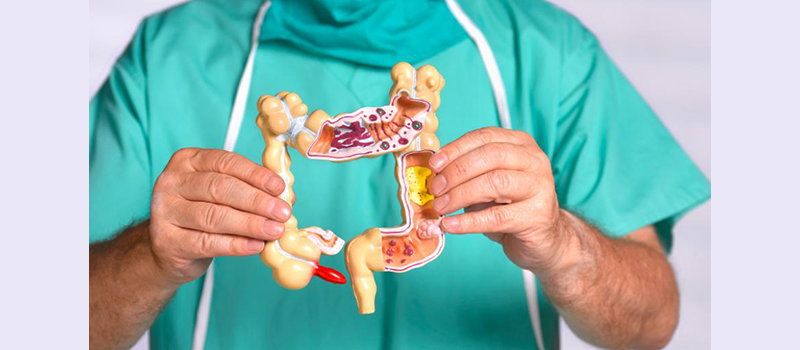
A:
x,y
614,164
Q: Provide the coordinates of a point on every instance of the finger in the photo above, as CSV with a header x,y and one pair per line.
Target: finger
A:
x,y
197,245
235,165
479,161
230,191
498,218
494,236
473,140
498,186
215,218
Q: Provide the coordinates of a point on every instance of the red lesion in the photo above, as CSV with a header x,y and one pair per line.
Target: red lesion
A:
x,y
330,275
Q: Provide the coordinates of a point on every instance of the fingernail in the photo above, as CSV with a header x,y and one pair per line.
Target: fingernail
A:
x,y
275,185
450,223
272,229
255,246
440,202
281,211
438,184
437,161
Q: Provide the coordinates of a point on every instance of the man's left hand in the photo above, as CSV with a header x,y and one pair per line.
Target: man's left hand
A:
x,y
505,184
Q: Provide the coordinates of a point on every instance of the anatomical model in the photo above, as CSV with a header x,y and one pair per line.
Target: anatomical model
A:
x,y
407,128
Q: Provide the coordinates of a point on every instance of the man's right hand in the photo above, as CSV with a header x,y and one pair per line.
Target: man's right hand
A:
x,y
210,203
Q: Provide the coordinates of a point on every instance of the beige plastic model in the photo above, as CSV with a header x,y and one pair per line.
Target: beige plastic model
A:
x,y
406,127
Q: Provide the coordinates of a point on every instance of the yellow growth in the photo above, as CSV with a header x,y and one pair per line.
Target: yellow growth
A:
x,y
417,177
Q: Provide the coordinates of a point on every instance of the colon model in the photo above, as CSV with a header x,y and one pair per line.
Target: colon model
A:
x,y
406,127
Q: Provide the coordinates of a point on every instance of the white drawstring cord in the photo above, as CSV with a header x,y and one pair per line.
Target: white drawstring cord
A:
x,y
203,310
487,56
240,101
234,125
500,99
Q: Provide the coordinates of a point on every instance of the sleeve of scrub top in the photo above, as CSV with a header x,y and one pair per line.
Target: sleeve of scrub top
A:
x,y
119,168
615,164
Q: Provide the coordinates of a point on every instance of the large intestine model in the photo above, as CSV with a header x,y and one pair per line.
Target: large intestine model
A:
x,y
407,128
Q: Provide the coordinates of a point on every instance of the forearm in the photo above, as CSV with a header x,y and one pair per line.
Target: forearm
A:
x,y
615,293
127,289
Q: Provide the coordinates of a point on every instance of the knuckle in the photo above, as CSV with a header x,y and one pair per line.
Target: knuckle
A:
x,y
499,181
206,244
165,181
497,216
236,245
219,187
453,149
261,202
458,198
183,154
253,224
460,169
212,216
484,135
224,162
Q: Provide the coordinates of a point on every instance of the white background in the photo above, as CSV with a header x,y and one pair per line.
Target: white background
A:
x,y
662,46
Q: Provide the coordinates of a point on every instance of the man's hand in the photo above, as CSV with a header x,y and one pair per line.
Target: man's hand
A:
x,y
206,203
503,181
612,293
211,203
